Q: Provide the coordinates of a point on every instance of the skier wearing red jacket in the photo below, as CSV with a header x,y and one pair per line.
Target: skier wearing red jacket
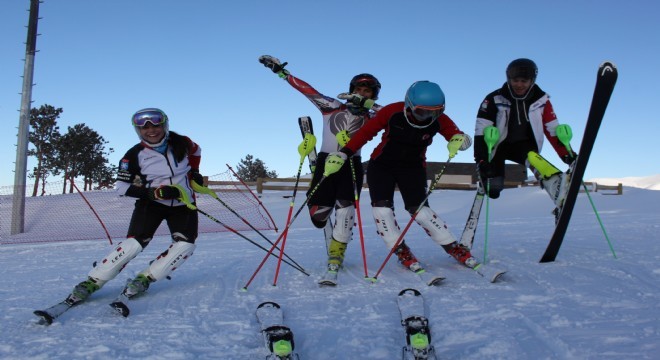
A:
x,y
400,161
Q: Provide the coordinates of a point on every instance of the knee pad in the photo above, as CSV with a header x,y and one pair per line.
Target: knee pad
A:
x,y
170,260
344,220
540,165
496,186
112,264
386,225
434,226
320,215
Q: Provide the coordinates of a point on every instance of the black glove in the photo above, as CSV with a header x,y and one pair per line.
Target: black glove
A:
x,y
164,192
197,177
568,159
486,169
274,64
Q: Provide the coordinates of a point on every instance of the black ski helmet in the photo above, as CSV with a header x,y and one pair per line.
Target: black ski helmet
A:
x,y
367,80
522,68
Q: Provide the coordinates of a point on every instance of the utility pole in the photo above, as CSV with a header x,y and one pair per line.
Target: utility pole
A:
x,y
20,174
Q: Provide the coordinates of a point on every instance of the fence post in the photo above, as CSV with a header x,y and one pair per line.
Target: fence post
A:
x,y
260,185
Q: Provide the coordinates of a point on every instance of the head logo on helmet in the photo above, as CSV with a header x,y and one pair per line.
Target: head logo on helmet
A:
x,y
367,80
154,116
522,68
425,101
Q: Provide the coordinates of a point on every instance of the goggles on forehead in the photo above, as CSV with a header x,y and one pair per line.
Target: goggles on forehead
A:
x,y
156,118
425,113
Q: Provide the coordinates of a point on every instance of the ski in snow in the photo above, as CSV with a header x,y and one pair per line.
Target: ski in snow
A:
x,y
467,238
278,337
120,305
305,123
492,274
47,316
429,278
329,278
605,81
416,326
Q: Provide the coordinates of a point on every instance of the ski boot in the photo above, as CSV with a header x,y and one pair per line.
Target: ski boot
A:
x,y
461,254
137,286
406,258
82,291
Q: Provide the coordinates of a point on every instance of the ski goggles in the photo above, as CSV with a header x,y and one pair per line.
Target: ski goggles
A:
x,y
426,113
154,117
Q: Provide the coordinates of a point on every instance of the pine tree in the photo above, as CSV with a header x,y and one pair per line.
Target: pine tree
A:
x,y
250,169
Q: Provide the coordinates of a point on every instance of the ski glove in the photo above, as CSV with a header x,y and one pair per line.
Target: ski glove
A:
x,y
274,65
197,177
357,100
164,192
458,142
568,159
334,162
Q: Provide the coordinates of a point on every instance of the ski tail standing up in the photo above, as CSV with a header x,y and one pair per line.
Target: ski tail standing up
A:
x,y
278,338
416,326
336,193
306,127
605,81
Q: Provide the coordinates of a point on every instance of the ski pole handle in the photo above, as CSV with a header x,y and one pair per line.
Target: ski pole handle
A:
x,y
565,134
491,136
342,138
306,146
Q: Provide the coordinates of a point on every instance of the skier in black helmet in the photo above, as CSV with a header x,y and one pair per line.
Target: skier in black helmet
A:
x,y
523,114
338,117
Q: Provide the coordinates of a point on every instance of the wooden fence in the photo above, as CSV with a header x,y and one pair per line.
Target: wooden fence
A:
x,y
303,185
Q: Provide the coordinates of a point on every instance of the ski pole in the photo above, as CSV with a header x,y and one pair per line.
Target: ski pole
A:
x,y
491,136
342,139
299,268
307,145
434,183
285,229
565,134
205,190
184,198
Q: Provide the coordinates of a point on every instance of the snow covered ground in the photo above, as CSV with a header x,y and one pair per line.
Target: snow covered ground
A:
x,y
586,305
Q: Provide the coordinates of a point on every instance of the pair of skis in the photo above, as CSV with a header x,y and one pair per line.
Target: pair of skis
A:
x,y
279,340
48,315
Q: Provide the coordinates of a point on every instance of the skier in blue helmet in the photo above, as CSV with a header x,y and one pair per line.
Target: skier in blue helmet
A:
x,y
400,161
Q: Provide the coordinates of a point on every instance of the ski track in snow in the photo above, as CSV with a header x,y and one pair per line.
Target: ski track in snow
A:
x,y
586,305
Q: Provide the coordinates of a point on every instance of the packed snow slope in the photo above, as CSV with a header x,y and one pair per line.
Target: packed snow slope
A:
x,y
588,304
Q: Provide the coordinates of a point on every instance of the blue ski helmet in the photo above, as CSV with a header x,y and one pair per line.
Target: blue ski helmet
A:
x,y
155,117
426,102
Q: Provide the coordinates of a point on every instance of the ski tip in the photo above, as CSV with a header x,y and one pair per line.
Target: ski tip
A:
x,y
412,291
243,289
268,304
120,308
44,317
370,279
606,64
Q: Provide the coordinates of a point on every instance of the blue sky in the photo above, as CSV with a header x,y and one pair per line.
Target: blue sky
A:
x,y
197,60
